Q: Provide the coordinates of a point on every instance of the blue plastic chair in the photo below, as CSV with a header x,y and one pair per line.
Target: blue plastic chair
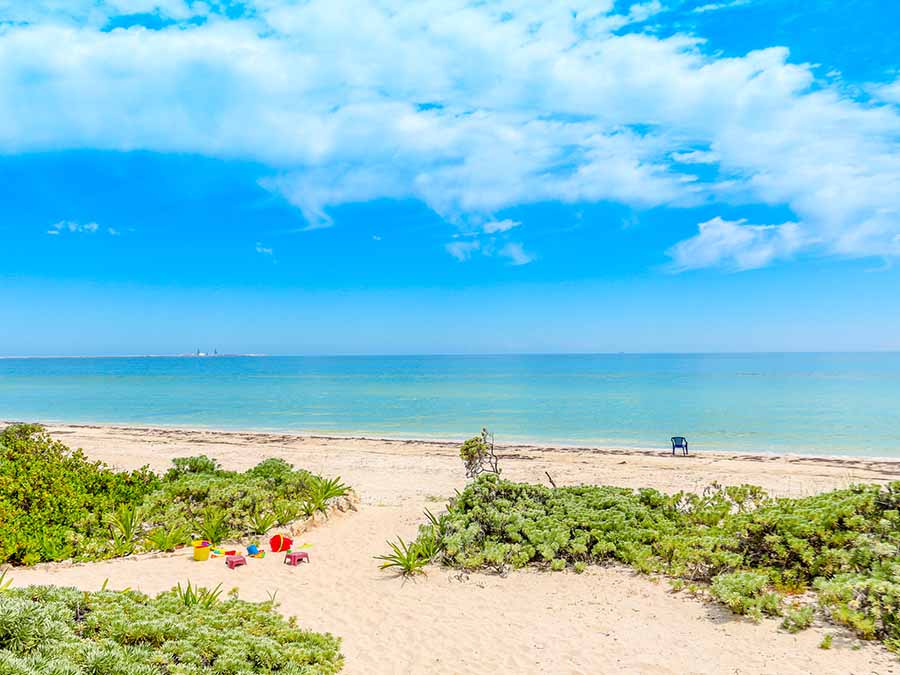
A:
x,y
680,442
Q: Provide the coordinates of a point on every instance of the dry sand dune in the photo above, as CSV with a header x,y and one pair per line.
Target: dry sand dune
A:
x,y
607,620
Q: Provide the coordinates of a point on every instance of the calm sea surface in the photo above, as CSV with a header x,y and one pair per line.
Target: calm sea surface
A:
x,y
806,403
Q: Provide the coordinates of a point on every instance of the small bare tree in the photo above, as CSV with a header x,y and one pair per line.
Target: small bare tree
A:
x,y
478,455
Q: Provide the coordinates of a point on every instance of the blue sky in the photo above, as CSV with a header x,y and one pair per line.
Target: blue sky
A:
x,y
269,176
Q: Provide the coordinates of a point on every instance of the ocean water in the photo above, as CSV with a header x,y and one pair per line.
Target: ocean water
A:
x,y
805,403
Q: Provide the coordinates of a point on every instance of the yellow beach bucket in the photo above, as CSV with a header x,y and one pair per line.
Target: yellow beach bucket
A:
x,y
201,550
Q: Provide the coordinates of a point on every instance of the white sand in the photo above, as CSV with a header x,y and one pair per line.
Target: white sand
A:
x,y
607,620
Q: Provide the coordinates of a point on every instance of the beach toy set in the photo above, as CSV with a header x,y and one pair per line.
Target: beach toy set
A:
x,y
204,550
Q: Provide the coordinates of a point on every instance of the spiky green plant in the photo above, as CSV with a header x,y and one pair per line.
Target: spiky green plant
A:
x,y
262,521
307,508
323,490
407,559
286,512
163,539
198,595
213,526
429,545
125,524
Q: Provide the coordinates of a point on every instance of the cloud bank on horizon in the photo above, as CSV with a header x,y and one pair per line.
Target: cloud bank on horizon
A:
x,y
471,108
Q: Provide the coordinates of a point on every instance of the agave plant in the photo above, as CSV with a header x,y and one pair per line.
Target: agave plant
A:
x,y
438,523
4,582
308,508
212,525
192,596
125,524
166,540
325,489
429,545
262,522
408,559
285,512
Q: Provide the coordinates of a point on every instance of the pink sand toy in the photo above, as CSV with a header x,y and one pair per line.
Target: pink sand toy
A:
x,y
292,558
235,561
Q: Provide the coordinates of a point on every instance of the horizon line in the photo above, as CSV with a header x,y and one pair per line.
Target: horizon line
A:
x,y
453,354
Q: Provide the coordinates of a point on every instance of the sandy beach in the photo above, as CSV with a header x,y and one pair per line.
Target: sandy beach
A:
x,y
606,620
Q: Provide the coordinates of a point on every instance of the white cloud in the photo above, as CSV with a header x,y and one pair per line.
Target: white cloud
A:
x,y
72,226
715,6
736,245
496,226
516,253
263,250
644,10
96,13
527,102
889,93
695,157
462,250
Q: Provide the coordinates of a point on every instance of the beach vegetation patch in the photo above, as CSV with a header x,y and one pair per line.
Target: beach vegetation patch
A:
x,y
55,504
478,455
734,544
48,630
746,593
53,498
798,618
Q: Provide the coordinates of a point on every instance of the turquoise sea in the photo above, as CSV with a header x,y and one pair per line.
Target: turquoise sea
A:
x,y
804,403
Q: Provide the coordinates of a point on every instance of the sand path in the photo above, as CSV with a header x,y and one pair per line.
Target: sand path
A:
x,y
607,620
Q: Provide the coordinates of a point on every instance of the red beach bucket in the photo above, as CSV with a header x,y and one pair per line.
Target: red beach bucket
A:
x,y
279,543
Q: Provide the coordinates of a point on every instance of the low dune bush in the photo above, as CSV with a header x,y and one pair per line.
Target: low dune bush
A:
x,y
746,593
744,547
46,630
55,504
49,492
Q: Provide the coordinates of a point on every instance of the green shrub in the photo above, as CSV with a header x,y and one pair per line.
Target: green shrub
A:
x,y
737,541
53,631
52,498
478,455
869,604
55,504
746,593
273,469
798,618
187,465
